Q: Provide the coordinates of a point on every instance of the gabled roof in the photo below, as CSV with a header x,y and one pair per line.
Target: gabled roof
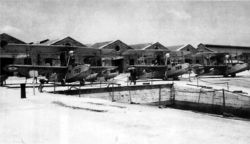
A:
x,y
10,39
226,46
205,47
100,45
176,47
49,42
52,42
142,46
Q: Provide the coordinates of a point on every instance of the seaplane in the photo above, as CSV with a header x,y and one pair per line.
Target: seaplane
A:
x,y
160,68
71,72
215,63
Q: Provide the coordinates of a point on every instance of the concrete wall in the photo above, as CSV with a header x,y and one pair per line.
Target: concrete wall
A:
x,y
188,98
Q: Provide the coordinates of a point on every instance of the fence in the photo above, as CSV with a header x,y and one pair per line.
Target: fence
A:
x,y
168,95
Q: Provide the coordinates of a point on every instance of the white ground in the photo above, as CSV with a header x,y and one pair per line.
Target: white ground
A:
x,y
51,118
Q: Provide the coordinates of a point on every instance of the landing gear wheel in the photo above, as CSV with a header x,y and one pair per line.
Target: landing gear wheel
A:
x,y
82,82
176,78
233,75
225,75
63,82
164,78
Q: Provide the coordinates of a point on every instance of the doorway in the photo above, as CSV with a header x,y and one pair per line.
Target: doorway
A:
x,y
119,63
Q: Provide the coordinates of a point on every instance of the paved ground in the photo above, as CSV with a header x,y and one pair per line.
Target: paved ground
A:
x,y
52,118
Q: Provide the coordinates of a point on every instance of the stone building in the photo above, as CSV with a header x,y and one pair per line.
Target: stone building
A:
x,y
115,58
7,58
241,53
185,48
53,59
150,58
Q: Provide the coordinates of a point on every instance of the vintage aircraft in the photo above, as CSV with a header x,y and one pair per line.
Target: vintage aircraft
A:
x,y
163,67
215,63
64,74
69,71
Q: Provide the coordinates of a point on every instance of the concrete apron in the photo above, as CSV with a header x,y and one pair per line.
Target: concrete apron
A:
x,y
168,95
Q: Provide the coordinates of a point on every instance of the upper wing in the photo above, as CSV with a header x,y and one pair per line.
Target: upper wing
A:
x,y
154,68
145,52
98,69
178,53
27,68
27,49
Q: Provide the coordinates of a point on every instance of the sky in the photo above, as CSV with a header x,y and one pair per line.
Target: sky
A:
x,y
131,21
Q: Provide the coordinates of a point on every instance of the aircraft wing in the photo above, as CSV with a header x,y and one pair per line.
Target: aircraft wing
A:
x,y
27,68
199,54
98,69
145,52
27,49
154,68
178,53
217,54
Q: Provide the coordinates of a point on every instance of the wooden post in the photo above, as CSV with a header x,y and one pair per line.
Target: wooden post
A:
x,y
197,81
172,97
79,89
199,99
113,97
227,86
223,94
160,97
54,86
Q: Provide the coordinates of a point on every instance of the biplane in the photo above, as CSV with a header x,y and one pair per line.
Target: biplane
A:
x,y
69,71
219,63
158,63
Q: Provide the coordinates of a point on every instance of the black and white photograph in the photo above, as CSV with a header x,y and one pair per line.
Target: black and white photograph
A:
x,y
124,71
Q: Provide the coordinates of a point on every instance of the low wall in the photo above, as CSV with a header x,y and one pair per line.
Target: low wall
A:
x,y
141,94
192,98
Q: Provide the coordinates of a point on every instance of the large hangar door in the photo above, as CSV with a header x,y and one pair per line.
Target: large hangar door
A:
x,y
4,62
119,63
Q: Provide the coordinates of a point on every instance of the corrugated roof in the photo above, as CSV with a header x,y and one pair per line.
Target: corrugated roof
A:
x,y
99,45
50,42
176,47
225,46
12,39
141,46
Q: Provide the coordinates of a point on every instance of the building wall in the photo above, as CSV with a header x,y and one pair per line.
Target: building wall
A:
x,y
7,39
244,53
157,45
138,59
54,58
188,57
10,39
115,58
70,41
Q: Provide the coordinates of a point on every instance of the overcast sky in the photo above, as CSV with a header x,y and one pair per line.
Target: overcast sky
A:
x,y
131,21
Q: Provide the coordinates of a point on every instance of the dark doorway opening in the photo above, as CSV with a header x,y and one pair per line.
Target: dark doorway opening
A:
x,y
131,62
48,61
27,61
4,62
119,63
188,61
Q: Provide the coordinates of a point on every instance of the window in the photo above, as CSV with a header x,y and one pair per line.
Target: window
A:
x,y
156,47
188,49
3,43
67,44
117,48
